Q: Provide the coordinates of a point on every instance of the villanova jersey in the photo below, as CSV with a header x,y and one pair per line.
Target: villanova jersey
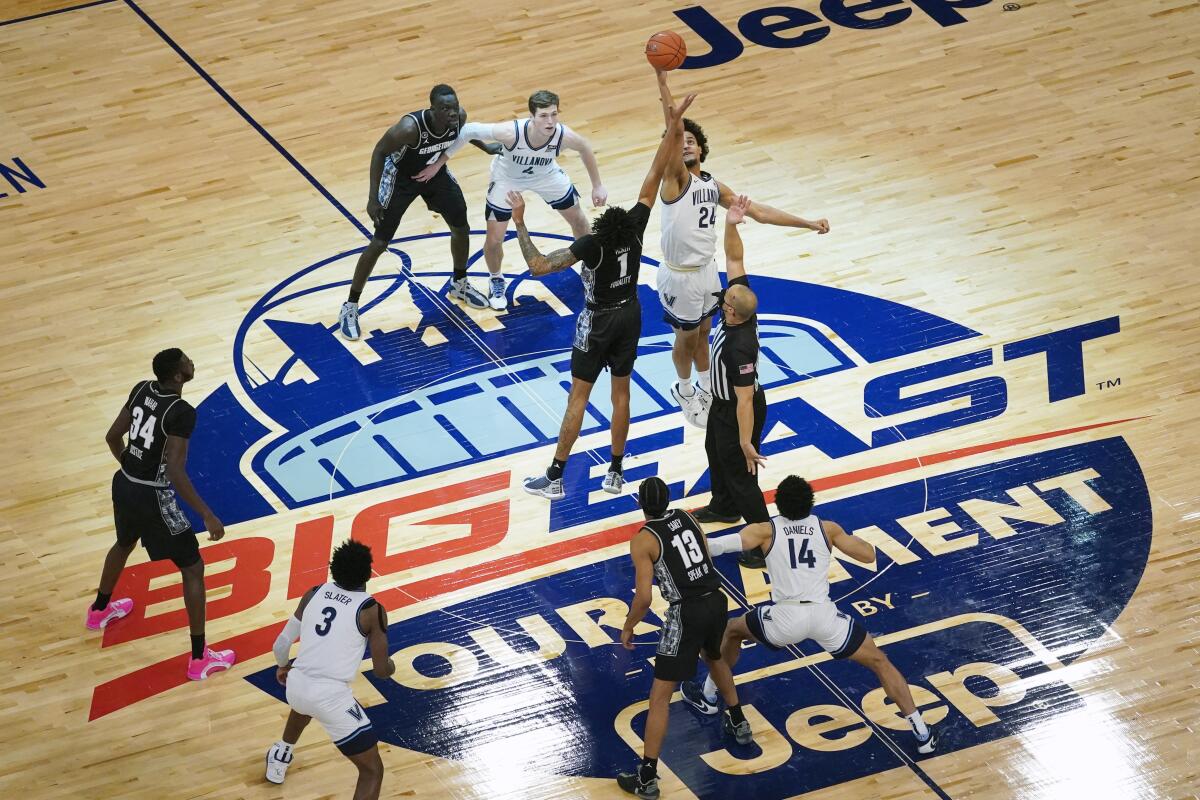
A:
x,y
155,414
689,223
798,561
683,569
331,644
525,163
409,160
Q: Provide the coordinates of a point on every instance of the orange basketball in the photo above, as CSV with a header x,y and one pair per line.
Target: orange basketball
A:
x,y
666,50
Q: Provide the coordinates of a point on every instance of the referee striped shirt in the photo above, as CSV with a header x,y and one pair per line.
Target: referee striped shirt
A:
x,y
734,354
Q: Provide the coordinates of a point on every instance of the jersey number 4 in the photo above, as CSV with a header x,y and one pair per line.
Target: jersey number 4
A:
x,y
137,430
806,557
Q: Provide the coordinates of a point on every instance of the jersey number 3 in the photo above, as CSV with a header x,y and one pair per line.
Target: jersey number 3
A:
x,y
322,628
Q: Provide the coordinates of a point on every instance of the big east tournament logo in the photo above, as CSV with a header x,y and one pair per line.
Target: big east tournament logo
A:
x,y
991,575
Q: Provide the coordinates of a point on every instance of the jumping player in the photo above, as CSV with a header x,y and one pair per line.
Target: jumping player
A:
x,y
408,162
528,162
688,277
334,621
798,547
158,423
608,329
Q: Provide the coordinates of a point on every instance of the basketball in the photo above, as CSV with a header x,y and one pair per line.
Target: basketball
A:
x,y
665,50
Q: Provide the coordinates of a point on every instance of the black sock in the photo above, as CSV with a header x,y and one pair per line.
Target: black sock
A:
x,y
615,466
101,601
197,646
353,298
736,715
458,276
648,770
555,471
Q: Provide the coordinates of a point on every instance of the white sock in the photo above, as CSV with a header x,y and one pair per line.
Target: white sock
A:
x,y
704,380
710,689
918,725
282,747
686,388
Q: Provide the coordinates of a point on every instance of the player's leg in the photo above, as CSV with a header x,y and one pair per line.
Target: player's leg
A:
x,y
575,217
627,330
399,196
896,687
280,756
370,773
104,609
493,254
700,356
643,782
204,661
444,196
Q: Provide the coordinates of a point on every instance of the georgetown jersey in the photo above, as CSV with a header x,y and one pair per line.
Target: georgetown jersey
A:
x,y
332,645
683,569
798,561
409,160
689,223
155,414
524,163
611,275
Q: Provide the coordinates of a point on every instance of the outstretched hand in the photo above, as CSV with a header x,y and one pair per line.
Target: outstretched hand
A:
x,y
676,111
736,213
517,203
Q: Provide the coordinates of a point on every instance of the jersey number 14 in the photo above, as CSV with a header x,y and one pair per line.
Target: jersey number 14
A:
x,y
806,557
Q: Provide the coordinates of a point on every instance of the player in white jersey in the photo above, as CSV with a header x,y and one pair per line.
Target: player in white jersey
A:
x,y
798,547
336,621
529,162
688,278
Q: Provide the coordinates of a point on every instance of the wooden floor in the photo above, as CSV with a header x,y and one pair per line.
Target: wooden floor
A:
x,y
169,167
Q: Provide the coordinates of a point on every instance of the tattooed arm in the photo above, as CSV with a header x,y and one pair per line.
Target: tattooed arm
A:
x,y
538,264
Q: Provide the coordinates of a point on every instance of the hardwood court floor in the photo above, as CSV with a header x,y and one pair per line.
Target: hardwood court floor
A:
x,y
1019,174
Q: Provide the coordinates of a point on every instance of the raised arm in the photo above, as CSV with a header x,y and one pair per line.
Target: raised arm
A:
x,y
735,252
769,215
670,151
858,549
538,264
675,174
574,141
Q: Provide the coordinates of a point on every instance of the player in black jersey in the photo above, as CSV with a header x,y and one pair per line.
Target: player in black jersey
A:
x,y
671,549
608,329
408,162
158,423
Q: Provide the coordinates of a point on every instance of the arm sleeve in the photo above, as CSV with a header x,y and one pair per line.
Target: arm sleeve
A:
x,y
283,643
640,213
472,130
720,545
180,420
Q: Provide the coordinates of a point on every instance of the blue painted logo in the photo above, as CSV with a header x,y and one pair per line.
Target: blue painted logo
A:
x,y
991,576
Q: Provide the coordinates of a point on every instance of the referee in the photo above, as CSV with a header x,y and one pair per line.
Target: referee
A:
x,y
739,406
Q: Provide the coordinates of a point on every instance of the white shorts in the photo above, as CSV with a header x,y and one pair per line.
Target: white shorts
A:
x,y
330,703
554,187
778,625
687,295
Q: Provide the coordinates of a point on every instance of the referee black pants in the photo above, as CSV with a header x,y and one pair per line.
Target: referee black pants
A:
x,y
735,491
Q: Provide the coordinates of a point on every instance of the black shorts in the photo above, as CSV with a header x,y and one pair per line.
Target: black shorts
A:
x,y
441,193
606,337
692,626
154,516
